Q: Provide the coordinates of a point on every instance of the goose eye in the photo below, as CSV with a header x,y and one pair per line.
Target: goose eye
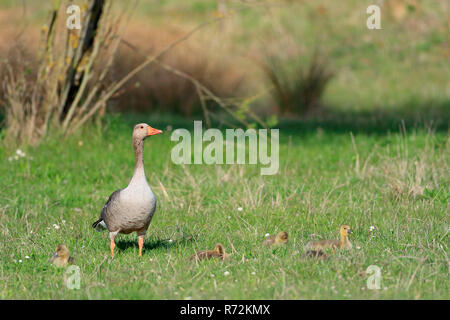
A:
x,y
142,127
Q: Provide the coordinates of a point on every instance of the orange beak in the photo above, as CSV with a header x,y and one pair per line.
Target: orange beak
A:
x,y
152,131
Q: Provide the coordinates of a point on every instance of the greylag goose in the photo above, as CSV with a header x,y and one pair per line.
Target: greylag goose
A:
x,y
316,246
217,252
61,257
280,238
132,208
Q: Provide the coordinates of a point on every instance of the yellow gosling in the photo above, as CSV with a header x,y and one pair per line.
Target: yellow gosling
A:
x,y
343,243
218,252
61,257
279,239
319,254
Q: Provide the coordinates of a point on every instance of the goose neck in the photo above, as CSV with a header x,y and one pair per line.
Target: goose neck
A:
x,y
344,240
138,146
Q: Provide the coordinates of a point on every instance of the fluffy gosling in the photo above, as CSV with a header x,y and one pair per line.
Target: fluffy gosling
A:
x,y
280,238
218,252
319,254
343,243
61,257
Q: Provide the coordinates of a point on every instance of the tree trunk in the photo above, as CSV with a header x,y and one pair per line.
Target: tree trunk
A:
x,y
87,36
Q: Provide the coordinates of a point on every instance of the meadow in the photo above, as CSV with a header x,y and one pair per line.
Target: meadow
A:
x,y
374,155
393,181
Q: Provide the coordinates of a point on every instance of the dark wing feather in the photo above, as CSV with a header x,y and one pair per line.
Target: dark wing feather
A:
x,y
111,198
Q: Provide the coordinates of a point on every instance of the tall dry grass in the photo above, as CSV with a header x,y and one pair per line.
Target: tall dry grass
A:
x,y
156,88
405,172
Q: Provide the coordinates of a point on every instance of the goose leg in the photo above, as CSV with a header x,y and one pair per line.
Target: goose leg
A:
x,y
141,242
113,245
112,235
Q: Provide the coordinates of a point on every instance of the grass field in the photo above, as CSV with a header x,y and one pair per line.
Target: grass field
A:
x,y
395,180
376,156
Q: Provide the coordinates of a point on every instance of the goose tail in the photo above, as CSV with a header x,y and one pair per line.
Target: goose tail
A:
x,y
99,225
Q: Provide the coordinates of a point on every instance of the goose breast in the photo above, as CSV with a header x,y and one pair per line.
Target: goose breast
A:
x,y
132,209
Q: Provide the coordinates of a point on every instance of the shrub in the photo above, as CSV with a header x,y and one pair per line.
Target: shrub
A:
x,y
297,88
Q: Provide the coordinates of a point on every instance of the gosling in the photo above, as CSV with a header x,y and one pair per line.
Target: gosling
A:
x,y
319,254
218,252
343,243
61,257
280,238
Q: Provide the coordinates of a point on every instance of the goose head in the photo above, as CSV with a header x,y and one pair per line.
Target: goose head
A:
x,y
345,230
61,252
281,237
219,249
143,130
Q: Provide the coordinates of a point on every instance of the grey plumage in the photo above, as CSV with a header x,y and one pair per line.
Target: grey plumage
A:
x,y
98,225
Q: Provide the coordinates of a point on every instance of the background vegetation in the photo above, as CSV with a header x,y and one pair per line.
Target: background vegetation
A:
x,y
373,151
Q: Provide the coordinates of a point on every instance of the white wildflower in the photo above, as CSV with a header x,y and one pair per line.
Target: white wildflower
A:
x,y
20,153
239,209
371,228
55,226
227,273
266,235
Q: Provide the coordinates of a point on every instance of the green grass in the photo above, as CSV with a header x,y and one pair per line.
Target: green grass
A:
x,y
392,177
397,181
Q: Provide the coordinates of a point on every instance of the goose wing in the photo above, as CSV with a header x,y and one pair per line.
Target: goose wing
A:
x,y
100,222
